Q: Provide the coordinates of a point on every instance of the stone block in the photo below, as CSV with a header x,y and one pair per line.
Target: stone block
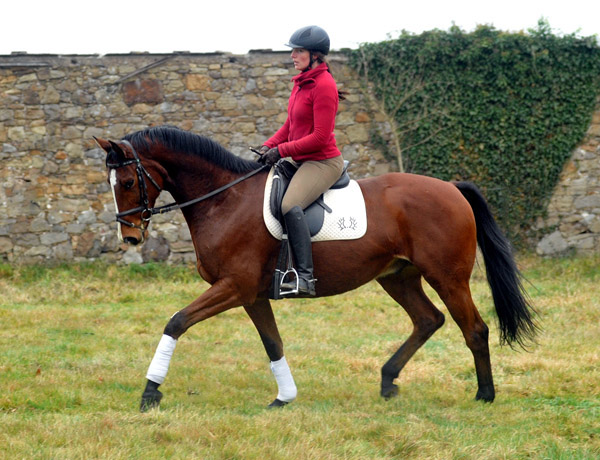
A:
x,y
6,245
276,72
16,133
197,82
142,91
155,249
39,130
72,205
63,251
43,251
594,130
74,150
55,217
587,202
27,78
581,242
40,224
244,128
132,256
594,225
87,218
6,114
50,96
552,244
51,238
344,119
73,112
362,117
182,246
357,134
230,73
227,102
141,109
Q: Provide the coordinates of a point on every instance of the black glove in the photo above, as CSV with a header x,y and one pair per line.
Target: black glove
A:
x,y
260,151
270,158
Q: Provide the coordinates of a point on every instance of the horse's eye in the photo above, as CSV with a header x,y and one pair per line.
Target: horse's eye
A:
x,y
128,184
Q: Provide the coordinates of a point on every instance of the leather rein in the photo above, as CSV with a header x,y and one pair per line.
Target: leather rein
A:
x,y
144,209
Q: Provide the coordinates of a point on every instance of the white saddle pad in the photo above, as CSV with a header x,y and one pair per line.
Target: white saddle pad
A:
x,y
348,221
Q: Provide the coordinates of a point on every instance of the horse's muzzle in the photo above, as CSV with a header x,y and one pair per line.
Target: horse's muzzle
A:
x,y
132,240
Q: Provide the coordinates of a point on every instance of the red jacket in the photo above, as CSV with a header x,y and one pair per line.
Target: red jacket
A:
x,y
307,133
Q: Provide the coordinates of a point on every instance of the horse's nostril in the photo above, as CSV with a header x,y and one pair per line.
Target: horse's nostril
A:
x,y
131,240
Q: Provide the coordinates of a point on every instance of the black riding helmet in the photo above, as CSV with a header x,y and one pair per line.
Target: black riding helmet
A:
x,y
311,38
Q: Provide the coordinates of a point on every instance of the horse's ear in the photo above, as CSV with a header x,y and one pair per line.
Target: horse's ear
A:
x,y
105,145
115,153
117,149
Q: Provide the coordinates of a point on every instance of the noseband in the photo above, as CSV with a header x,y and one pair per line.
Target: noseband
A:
x,y
144,209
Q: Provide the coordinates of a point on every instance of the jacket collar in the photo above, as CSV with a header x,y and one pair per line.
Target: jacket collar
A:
x,y
309,76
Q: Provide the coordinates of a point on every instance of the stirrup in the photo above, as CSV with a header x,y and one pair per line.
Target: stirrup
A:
x,y
310,285
289,271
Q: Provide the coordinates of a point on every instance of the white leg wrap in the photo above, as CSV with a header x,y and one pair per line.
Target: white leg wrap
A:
x,y
160,363
285,381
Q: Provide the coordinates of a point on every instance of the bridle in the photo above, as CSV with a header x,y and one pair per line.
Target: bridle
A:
x,y
144,209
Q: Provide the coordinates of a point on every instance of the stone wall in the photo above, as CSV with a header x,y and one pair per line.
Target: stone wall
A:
x,y
572,224
55,204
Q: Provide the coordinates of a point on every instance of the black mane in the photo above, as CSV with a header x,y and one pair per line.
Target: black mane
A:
x,y
185,142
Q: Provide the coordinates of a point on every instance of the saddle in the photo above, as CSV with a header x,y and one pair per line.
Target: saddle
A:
x,y
315,213
349,201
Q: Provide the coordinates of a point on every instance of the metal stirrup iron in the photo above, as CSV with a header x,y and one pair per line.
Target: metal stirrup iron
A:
x,y
289,269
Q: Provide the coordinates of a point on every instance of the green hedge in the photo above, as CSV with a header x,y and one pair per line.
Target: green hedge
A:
x,y
505,109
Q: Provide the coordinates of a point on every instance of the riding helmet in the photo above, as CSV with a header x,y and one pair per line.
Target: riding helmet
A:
x,y
311,38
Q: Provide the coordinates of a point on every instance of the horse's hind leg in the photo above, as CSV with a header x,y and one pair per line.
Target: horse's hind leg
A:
x,y
262,316
457,297
405,288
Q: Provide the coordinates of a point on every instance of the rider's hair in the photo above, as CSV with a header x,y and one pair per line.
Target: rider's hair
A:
x,y
320,59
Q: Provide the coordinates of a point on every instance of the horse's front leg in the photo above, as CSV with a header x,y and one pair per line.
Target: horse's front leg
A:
x,y
262,316
216,299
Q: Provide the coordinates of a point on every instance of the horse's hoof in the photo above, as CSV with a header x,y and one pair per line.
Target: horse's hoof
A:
x,y
150,400
277,403
485,394
390,392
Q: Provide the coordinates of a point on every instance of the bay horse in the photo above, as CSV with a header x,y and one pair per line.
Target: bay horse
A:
x,y
418,227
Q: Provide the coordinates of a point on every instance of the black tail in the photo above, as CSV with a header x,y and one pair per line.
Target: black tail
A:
x,y
515,313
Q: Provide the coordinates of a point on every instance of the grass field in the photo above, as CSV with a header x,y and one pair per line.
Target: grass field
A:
x,y
76,341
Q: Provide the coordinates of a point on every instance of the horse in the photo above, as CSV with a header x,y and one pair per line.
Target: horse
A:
x,y
418,228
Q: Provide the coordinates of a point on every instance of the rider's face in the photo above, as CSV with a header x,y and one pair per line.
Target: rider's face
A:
x,y
301,58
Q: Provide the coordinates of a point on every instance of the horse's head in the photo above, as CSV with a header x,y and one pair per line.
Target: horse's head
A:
x,y
134,190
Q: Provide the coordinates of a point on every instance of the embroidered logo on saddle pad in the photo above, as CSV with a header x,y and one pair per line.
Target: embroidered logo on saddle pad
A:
x,y
346,218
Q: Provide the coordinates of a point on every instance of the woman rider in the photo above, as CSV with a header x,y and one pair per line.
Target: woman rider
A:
x,y
307,138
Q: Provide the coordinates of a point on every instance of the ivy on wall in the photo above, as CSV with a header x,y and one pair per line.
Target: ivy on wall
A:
x,y
503,110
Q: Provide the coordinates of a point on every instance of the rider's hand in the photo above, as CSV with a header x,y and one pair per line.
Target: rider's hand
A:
x,y
270,157
264,149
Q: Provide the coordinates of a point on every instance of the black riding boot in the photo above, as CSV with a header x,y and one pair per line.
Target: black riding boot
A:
x,y
299,236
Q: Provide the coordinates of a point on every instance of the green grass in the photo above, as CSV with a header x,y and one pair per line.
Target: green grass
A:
x,y
76,342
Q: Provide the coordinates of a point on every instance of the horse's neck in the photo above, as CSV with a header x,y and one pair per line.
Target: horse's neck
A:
x,y
192,179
